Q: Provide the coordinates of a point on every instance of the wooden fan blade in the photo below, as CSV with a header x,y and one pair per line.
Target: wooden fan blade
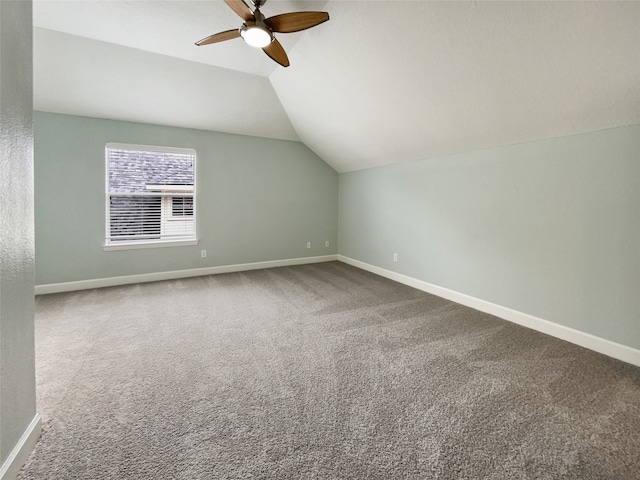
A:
x,y
277,53
241,8
294,22
219,37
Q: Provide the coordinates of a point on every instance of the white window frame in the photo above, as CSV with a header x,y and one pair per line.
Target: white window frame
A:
x,y
110,245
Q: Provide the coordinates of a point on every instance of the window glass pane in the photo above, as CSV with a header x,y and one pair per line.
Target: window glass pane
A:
x,y
135,217
182,206
135,170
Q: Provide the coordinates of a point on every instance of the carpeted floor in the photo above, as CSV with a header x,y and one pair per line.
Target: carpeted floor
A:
x,y
317,372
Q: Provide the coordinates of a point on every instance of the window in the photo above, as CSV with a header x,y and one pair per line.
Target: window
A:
x,y
150,196
182,206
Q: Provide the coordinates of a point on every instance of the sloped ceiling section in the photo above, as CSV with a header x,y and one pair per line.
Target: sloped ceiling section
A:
x,y
382,82
168,27
81,76
389,82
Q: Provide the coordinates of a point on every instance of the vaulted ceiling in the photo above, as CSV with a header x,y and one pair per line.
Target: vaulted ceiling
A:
x,y
382,82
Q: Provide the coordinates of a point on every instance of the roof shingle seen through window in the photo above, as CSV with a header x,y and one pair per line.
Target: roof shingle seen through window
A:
x,y
132,170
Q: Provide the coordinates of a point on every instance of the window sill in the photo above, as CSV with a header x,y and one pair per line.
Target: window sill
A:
x,y
154,244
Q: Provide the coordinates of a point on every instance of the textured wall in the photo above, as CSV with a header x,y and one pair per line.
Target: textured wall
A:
x,y
548,228
258,199
17,383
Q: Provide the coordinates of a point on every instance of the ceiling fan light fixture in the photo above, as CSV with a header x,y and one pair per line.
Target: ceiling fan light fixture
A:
x,y
256,36
258,31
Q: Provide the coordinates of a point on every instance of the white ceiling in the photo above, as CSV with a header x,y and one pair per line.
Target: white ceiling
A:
x,y
81,76
382,82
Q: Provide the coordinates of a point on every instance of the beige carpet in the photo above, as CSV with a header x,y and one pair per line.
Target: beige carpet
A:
x,y
318,372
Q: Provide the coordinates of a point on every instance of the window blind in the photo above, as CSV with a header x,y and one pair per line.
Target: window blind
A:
x,y
150,194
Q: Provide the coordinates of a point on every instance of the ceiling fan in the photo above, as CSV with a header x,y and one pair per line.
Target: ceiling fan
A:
x,y
258,31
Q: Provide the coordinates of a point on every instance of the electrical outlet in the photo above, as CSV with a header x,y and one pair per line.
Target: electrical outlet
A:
x,y
395,257
326,243
203,253
308,244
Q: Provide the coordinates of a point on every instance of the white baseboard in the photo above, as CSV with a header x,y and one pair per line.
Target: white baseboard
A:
x,y
587,340
194,272
14,462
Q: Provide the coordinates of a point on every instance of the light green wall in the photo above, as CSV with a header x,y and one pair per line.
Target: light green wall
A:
x,y
17,361
550,228
258,199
